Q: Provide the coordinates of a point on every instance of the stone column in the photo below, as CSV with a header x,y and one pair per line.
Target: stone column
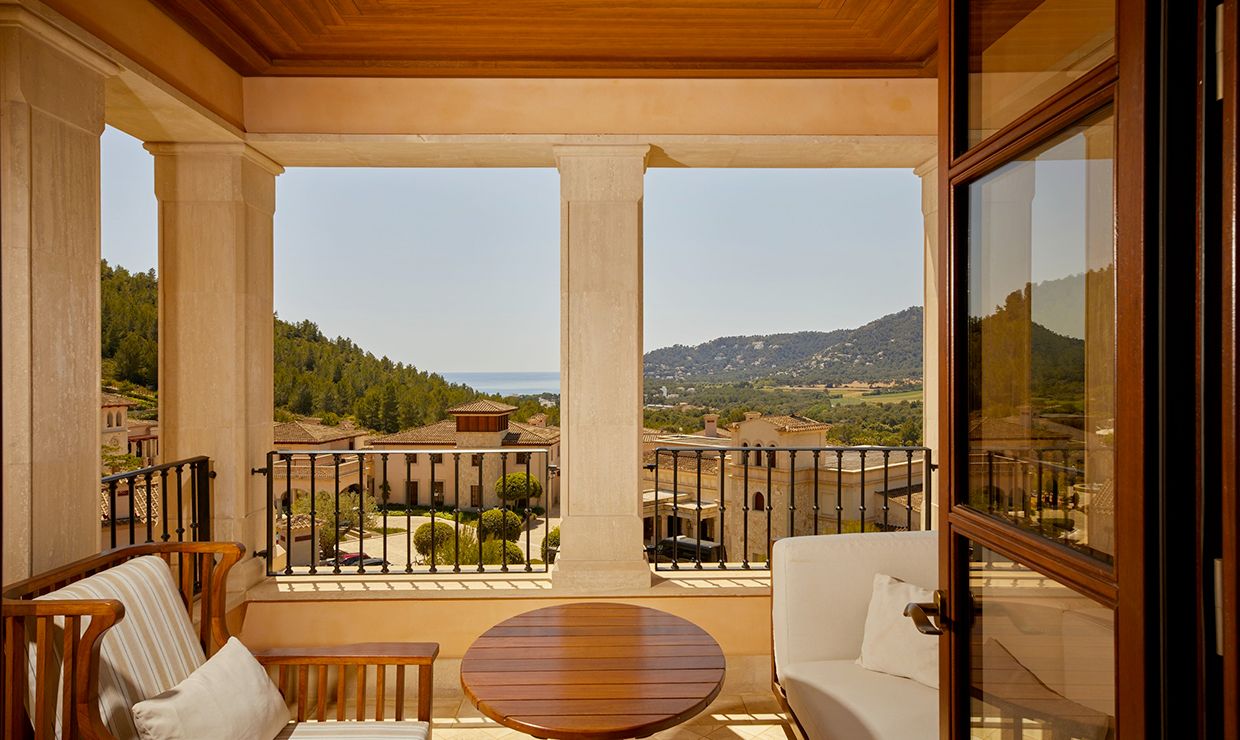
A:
x,y
51,90
930,335
601,368
216,203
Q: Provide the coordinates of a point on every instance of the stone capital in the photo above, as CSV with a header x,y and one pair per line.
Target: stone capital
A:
x,y
231,149
602,173
928,168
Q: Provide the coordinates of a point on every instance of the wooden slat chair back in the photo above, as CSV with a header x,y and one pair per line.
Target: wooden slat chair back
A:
x,y
52,646
54,638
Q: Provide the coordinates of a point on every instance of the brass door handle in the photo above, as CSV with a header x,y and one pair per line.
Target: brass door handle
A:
x,y
925,616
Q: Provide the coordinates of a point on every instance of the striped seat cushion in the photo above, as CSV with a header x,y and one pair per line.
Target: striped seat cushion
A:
x,y
150,650
354,730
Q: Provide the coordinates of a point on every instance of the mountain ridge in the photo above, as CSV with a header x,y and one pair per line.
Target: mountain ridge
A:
x,y
887,349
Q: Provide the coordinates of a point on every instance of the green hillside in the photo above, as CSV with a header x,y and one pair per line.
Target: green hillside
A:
x,y
314,375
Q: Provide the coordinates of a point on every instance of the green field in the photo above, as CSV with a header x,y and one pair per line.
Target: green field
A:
x,y
852,397
849,396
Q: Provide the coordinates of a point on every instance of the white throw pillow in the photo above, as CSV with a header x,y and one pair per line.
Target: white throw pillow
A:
x,y
891,643
230,696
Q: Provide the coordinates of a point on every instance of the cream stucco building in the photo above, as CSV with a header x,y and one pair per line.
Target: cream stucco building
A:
x,y
422,468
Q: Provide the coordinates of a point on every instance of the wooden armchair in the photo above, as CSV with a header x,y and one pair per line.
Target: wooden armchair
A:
x,y
54,647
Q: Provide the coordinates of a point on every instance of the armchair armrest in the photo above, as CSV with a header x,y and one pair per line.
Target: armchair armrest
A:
x,y
359,656
78,669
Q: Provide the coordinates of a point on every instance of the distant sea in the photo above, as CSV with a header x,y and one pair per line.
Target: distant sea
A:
x,y
508,384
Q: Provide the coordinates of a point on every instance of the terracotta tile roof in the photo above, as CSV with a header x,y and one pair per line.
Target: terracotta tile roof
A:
x,y
439,433
687,462
530,435
790,423
308,432
444,433
111,399
140,499
482,406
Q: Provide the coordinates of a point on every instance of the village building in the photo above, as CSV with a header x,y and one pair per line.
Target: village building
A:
x,y
422,467
296,473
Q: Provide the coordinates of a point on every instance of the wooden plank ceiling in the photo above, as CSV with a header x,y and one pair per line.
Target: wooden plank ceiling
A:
x,y
540,38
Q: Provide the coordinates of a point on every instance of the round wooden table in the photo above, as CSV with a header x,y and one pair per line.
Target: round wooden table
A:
x,y
592,671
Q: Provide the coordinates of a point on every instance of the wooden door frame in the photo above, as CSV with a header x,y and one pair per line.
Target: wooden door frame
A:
x,y
1229,361
1124,81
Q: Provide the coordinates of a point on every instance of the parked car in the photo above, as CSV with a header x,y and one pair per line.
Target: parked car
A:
x,y
354,558
685,549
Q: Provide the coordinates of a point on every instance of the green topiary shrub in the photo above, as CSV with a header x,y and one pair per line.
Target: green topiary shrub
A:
x,y
491,523
422,537
493,555
552,540
460,548
516,486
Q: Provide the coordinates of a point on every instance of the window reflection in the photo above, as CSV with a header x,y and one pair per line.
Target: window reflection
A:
x,y
1021,53
1041,656
1041,340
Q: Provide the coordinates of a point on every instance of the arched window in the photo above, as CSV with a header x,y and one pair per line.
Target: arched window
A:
x,y
757,455
110,424
770,459
759,502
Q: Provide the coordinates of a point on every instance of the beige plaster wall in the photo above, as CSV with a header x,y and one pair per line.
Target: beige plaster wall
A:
x,y
740,623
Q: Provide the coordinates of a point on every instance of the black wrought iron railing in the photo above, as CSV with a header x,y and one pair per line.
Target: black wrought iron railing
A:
x,y
169,501
408,511
723,507
1050,491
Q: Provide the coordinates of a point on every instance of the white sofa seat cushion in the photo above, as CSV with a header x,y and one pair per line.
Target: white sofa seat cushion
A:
x,y
354,730
840,700
150,650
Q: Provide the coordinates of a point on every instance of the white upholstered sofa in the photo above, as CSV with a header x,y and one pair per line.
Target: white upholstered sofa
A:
x,y
820,594
91,639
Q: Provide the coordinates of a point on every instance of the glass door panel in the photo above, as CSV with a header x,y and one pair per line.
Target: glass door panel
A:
x,y
1040,357
1041,655
1021,52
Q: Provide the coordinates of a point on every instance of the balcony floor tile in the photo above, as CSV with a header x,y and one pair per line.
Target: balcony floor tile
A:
x,y
732,716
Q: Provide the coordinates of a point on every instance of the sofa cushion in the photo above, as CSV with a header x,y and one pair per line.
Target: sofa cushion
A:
x,y
150,650
354,730
892,644
840,700
230,696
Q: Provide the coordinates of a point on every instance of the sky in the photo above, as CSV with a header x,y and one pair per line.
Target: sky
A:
x,y
458,269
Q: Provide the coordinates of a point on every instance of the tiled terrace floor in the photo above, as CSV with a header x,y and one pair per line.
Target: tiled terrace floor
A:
x,y
750,716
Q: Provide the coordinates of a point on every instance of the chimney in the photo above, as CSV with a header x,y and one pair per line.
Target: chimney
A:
x,y
712,425
752,415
